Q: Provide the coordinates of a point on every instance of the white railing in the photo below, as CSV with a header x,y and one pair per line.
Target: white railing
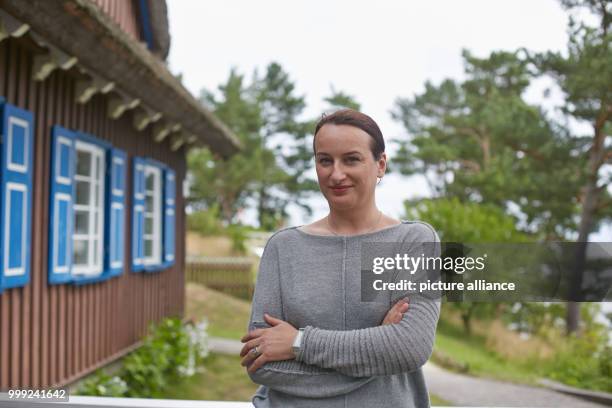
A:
x,y
99,402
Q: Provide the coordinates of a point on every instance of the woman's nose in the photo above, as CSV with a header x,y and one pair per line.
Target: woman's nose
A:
x,y
338,173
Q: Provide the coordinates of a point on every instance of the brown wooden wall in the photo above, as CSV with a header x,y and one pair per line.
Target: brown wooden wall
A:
x,y
123,12
50,335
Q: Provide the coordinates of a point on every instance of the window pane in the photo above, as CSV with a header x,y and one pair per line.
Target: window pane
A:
x,y
81,225
148,225
81,251
148,248
150,181
149,203
82,192
83,163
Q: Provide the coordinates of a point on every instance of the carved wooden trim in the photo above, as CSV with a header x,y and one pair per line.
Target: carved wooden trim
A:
x,y
118,105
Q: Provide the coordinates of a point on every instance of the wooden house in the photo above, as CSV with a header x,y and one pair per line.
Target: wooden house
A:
x,y
94,135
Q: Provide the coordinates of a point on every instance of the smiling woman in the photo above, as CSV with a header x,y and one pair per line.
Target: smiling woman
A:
x,y
312,341
350,156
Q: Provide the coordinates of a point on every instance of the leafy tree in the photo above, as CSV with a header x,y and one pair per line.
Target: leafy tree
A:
x,y
470,223
479,141
584,74
269,170
515,157
465,222
339,100
230,183
287,136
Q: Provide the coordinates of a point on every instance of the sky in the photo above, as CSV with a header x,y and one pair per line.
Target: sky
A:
x,y
374,51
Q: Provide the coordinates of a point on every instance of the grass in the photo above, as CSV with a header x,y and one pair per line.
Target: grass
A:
x,y
471,352
438,402
227,316
223,380
198,245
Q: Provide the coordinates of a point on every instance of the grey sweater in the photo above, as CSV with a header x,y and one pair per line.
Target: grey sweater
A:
x,y
347,358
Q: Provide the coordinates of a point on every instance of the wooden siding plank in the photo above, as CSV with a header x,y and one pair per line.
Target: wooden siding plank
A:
x,y
77,330
39,210
26,100
13,294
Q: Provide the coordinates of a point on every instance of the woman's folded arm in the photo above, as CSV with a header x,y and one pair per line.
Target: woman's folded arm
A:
x,y
302,380
374,351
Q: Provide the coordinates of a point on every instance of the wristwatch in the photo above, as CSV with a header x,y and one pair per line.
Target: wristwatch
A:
x,y
297,343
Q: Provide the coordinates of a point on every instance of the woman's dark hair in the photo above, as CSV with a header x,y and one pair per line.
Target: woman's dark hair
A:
x,y
359,120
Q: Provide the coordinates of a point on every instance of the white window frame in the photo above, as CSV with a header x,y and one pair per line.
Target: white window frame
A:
x,y
11,165
156,214
93,209
21,269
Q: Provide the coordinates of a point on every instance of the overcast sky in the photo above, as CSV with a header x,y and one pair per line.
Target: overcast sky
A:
x,y
375,51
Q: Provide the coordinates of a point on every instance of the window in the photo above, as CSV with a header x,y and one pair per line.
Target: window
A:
x,y
153,215
87,209
16,166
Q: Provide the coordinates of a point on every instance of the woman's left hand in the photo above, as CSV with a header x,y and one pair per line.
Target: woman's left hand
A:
x,y
273,344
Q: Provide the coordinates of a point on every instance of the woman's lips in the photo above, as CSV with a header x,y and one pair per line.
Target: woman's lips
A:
x,y
340,189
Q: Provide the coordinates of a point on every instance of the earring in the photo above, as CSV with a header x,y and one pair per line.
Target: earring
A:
x,y
379,180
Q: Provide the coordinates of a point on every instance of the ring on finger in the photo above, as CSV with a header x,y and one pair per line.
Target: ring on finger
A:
x,y
255,351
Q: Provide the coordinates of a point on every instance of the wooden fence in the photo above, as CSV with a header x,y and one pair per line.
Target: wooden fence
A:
x,y
233,276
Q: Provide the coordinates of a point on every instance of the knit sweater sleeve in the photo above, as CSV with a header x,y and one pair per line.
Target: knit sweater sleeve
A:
x,y
381,350
290,376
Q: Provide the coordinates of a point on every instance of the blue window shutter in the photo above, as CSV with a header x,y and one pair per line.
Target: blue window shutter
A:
x,y
115,212
60,205
16,195
138,208
169,215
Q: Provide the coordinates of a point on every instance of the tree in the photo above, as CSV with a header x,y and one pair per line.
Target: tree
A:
x,y
340,100
479,141
286,135
470,223
229,183
584,74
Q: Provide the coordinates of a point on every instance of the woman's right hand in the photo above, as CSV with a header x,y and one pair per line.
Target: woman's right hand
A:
x,y
395,314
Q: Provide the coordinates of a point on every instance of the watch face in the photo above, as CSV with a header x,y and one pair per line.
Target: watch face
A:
x,y
297,342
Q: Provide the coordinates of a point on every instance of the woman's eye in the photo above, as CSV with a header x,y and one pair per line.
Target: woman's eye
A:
x,y
352,159
324,161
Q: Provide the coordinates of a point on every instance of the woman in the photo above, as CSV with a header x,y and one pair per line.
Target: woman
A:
x,y
313,342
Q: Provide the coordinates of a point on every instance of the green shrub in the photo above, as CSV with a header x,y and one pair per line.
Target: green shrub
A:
x,y
104,385
205,222
170,352
584,363
239,235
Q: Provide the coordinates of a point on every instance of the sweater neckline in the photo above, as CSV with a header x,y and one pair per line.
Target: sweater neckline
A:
x,y
309,234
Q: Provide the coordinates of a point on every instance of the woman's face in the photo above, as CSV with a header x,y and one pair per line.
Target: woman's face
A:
x,y
346,169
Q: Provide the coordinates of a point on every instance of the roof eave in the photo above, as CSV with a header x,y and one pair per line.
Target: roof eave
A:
x,y
81,29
